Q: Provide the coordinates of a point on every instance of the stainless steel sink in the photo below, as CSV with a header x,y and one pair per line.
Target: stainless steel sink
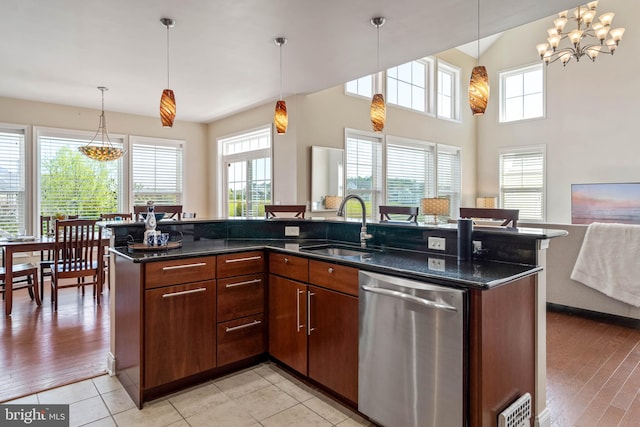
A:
x,y
339,250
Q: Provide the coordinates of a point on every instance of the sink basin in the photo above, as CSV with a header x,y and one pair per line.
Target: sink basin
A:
x,y
339,250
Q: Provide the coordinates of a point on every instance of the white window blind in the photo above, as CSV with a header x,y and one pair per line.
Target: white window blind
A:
x,y
12,182
363,172
522,183
522,93
73,184
410,171
449,179
157,171
247,160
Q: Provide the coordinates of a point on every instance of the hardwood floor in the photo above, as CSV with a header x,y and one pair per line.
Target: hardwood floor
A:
x,y
593,376
593,372
41,349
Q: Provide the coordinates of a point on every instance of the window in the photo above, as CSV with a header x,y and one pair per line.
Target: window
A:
x,y
448,91
12,181
363,171
408,85
362,86
247,161
449,180
156,171
72,184
410,171
522,93
522,184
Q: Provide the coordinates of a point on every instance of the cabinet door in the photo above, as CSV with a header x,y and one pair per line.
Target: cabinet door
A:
x,y
287,322
180,331
333,341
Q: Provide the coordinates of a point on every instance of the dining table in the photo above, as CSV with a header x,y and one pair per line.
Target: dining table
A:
x,y
17,245
26,244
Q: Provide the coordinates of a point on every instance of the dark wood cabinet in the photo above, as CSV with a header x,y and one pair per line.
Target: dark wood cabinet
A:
x,y
179,335
313,328
288,322
240,306
333,341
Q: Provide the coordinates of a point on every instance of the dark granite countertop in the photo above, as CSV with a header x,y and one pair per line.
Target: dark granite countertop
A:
x,y
441,269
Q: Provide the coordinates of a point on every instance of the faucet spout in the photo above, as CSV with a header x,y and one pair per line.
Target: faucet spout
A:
x,y
364,236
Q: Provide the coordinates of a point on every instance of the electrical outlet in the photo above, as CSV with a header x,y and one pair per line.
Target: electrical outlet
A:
x,y
435,264
437,243
292,231
477,246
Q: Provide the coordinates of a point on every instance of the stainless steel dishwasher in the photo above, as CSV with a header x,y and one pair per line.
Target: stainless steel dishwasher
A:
x,y
411,352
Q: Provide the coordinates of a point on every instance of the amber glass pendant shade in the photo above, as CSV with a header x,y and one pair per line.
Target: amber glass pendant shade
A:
x,y
167,108
478,90
101,154
378,112
280,117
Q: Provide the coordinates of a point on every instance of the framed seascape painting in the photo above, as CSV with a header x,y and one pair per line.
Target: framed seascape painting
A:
x,y
613,202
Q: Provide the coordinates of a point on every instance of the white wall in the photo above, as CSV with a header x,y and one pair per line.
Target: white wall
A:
x,y
15,111
589,130
320,119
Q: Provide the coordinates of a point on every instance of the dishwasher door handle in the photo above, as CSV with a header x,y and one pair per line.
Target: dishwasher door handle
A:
x,y
408,297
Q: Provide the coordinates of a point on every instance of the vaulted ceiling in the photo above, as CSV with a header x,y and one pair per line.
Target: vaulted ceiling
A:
x,y
222,55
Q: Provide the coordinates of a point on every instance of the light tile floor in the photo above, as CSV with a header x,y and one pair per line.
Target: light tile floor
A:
x,y
260,396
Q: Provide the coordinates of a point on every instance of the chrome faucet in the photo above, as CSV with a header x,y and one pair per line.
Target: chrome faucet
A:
x,y
363,230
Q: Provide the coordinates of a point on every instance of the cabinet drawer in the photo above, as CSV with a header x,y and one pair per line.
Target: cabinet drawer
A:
x,y
293,267
240,296
240,263
333,276
164,273
240,338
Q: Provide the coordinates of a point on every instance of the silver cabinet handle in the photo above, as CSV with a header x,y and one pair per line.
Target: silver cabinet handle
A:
x,y
251,258
298,325
286,260
246,325
330,270
309,328
248,282
190,291
178,267
407,297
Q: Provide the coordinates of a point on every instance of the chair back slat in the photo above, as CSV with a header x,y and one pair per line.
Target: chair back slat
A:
x,y
509,217
108,216
410,211
78,246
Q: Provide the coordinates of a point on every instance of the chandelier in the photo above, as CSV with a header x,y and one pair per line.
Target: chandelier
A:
x,y
378,110
588,38
168,99
106,151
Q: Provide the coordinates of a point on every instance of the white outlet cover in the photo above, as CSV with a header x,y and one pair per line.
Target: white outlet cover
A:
x,y
292,231
437,243
436,264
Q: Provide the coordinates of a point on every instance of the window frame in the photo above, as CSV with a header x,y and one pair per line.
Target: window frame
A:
x,y
358,94
26,223
429,85
522,151
378,186
455,197
429,175
224,159
455,72
521,70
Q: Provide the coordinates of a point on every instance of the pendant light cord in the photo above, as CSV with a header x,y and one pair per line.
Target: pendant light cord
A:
x,y
281,71
378,50
478,58
168,57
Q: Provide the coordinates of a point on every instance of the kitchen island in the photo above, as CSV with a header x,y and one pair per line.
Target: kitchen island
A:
x,y
183,316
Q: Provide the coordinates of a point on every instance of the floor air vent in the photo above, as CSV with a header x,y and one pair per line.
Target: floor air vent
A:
x,y
518,414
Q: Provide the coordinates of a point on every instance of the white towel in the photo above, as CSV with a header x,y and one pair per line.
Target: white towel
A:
x,y
609,261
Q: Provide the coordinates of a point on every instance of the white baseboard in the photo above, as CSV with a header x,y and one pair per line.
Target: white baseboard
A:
x,y
111,364
543,419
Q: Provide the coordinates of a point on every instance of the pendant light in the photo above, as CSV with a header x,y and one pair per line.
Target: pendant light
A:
x,y
280,117
479,82
168,100
378,112
106,151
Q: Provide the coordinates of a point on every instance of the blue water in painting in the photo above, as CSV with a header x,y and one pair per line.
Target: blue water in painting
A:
x,y
587,216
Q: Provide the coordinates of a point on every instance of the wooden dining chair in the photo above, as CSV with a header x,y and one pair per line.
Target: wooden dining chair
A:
x,y
78,255
170,211
271,210
112,216
509,217
27,274
410,211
